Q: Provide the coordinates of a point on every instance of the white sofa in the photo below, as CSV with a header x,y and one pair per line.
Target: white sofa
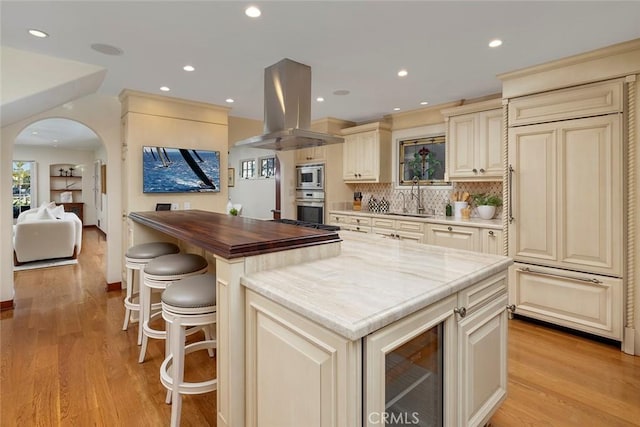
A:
x,y
40,236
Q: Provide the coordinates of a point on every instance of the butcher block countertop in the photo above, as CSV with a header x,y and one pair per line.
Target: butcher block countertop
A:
x,y
232,236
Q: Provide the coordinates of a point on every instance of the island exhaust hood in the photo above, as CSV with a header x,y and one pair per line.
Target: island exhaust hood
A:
x,y
287,110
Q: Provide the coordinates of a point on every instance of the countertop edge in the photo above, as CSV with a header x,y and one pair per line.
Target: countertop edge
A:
x,y
495,224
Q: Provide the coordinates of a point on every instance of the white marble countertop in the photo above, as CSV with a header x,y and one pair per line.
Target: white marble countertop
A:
x,y
495,224
373,282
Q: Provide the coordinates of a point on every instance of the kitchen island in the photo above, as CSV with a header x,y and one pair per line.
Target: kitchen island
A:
x,y
318,320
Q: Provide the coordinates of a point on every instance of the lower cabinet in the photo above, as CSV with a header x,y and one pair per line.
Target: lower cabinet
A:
x,y
454,236
586,302
482,348
492,242
445,364
298,373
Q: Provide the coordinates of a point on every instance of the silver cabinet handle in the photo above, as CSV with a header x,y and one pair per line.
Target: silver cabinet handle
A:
x,y
491,233
544,273
474,170
511,308
510,189
450,228
460,311
482,170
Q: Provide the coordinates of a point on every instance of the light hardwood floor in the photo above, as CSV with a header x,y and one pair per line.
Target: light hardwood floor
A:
x,y
65,362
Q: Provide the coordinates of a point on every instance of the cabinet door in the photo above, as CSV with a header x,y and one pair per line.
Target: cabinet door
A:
x,y
492,242
368,156
298,373
489,148
350,158
310,154
533,232
580,301
461,136
590,182
455,237
482,363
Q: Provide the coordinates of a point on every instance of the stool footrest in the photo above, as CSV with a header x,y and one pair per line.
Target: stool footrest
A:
x,y
189,387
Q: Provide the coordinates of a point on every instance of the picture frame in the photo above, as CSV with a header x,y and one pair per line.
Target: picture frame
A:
x,y
232,177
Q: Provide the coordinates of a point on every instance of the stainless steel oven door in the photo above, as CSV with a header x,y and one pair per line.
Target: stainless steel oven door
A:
x,y
310,211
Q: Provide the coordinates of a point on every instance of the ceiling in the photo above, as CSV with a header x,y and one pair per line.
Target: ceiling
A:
x,y
357,46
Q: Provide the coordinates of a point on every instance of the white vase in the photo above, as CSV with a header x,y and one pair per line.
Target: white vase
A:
x,y
486,212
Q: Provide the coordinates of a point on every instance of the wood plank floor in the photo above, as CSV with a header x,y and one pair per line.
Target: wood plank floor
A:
x,y
66,362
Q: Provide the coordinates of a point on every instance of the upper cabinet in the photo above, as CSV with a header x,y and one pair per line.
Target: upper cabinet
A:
x,y
367,153
474,141
311,154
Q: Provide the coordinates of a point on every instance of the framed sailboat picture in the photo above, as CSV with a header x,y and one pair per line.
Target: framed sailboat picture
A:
x,y
180,170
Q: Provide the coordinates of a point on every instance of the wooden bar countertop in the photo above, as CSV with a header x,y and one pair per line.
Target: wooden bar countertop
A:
x,y
232,236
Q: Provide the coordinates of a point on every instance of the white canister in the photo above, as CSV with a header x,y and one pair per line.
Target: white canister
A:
x,y
457,207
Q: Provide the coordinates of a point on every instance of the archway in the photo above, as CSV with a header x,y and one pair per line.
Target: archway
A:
x,y
68,156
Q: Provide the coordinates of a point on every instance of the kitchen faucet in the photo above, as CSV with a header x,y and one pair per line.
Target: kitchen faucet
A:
x,y
416,182
404,202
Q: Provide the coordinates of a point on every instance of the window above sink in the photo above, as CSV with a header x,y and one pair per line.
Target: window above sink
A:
x,y
423,157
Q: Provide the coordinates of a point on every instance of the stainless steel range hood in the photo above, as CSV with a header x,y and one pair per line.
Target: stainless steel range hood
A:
x,y
287,110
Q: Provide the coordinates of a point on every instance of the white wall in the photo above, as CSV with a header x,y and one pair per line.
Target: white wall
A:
x,y
45,157
257,196
101,114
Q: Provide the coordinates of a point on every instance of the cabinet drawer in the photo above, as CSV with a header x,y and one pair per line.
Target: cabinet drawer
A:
x,y
363,221
581,301
416,227
383,223
481,294
584,101
339,219
452,236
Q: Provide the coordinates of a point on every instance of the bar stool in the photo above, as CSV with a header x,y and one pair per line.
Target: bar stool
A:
x,y
158,274
188,304
136,258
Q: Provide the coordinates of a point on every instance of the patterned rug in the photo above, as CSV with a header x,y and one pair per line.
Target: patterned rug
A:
x,y
44,264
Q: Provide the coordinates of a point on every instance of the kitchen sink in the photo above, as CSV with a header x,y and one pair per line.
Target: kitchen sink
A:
x,y
414,215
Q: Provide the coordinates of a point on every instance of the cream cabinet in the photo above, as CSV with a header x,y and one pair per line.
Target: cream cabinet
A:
x,y
492,241
566,200
297,370
398,229
582,301
474,142
351,222
367,153
454,236
311,154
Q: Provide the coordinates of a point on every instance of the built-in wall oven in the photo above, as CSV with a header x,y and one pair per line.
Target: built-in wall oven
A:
x,y
310,177
310,206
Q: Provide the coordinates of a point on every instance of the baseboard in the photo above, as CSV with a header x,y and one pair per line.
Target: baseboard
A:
x,y
6,305
117,286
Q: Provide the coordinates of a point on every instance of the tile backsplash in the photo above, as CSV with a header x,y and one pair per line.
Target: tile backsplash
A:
x,y
434,200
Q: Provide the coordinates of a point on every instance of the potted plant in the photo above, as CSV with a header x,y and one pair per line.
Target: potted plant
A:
x,y
487,204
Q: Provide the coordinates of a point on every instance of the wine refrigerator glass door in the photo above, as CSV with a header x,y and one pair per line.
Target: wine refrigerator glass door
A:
x,y
406,376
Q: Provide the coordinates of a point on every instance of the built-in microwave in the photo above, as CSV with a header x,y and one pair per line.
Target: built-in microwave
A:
x,y
310,177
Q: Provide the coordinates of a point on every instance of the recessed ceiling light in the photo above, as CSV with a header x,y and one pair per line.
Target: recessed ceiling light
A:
x,y
252,12
107,49
402,73
320,99
188,68
424,103
35,132
396,109
229,100
38,33
495,43
55,140
165,89
341,92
